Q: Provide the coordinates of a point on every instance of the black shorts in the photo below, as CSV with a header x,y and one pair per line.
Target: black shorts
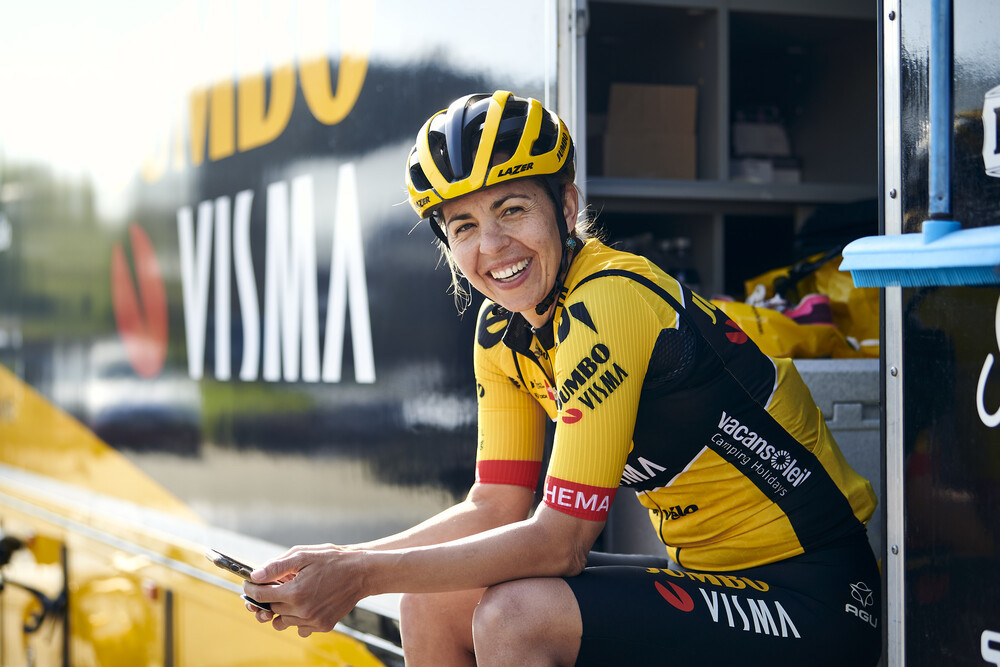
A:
x,y
821,608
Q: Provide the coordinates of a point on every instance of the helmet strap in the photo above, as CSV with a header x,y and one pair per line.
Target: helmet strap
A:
x,y
569,245
435,221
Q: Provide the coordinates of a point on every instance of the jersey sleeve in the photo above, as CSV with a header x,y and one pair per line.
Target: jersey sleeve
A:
x,y
604,340
511,437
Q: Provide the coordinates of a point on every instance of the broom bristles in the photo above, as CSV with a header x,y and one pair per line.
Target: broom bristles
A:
x,y
951,277
962,257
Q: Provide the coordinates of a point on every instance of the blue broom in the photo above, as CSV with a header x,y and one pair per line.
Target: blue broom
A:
x,y
942,253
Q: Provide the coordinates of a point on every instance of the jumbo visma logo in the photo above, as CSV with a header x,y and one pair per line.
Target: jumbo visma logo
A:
x,y
279,334
676,596
140,314
279,329
729,601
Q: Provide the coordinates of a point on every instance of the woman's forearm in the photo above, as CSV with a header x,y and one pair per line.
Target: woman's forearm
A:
x,y
486,507
552,546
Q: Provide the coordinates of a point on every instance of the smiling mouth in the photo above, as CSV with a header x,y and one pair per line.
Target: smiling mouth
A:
x,y
509,273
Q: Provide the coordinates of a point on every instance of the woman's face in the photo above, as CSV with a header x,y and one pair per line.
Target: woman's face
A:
x,y
504,240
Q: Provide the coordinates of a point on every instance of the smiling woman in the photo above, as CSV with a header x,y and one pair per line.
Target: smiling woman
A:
x,y
526,144
505,241
651,388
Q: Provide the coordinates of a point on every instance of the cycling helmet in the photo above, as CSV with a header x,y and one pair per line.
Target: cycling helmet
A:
x,y
481,140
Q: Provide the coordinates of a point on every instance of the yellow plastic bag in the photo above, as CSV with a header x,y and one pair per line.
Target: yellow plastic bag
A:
x,y
855,310
780,336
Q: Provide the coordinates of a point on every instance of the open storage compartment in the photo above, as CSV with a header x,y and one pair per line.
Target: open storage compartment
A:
x,y
812,80
786,141
785,122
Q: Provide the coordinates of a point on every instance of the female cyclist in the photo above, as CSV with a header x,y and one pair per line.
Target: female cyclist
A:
x,y
650,388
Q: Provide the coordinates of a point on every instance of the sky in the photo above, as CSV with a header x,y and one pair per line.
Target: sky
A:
x,y
89,88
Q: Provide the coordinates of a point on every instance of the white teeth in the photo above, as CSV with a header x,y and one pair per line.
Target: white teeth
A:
x,y
510,271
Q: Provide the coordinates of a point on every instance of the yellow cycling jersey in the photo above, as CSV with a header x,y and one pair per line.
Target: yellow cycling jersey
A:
x,y
653,388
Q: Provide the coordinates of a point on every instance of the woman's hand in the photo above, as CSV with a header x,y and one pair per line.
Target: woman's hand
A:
x,y
319,585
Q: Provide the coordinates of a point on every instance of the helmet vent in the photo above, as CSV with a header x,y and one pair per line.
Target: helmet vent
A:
x,y
418,178
548,134
439,153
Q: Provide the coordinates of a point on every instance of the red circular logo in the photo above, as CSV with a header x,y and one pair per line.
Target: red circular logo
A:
x,y
572,416
737,336
678,597
141,318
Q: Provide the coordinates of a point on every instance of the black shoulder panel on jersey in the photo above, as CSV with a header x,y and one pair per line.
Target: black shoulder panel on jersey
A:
x,y
672,359
754,372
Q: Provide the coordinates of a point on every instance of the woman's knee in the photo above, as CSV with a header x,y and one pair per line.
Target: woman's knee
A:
x,y
524,611
503,609
534,621
411,606
437,627
423,613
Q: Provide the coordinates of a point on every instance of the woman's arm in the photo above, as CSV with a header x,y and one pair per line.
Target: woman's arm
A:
x,y
328,581
549,544
487,506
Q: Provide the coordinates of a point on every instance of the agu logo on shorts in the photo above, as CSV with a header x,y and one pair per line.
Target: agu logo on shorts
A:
x,y
141,318
675,595
864,596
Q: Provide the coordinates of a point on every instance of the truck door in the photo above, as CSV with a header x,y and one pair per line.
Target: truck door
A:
x,y
941,348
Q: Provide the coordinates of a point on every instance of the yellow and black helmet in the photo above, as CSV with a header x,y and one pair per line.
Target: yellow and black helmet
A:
x,y
481,140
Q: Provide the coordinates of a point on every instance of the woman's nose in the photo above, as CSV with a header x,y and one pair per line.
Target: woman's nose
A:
x,y
494,237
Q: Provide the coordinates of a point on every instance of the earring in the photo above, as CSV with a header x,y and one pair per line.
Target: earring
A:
x,y
570,242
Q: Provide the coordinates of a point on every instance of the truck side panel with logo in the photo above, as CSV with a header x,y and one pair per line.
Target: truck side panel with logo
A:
x,y
216,326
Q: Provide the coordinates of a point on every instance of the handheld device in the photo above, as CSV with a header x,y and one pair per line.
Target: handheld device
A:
x,y
241,570
263,606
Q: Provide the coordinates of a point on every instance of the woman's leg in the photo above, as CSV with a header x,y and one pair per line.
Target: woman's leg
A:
x,y
528,622
437,628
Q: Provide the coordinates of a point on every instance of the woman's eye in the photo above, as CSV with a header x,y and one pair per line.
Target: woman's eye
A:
x,y
513,210
460,228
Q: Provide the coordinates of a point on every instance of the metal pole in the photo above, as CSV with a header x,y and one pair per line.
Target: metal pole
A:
x,y
940,111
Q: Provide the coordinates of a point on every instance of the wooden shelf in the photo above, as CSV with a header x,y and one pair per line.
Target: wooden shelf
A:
x,y
616,191
859,9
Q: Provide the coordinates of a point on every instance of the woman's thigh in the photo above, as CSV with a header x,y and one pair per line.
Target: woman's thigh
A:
x,y
820,609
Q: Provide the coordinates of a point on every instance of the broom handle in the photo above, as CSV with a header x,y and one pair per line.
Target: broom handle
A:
x,y
940,111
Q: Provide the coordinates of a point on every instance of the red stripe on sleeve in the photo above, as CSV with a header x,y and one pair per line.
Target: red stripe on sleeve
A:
x,y
580,500
517,473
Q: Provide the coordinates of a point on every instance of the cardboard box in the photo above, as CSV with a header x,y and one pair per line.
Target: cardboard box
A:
x,y
650,132
650,155
640,108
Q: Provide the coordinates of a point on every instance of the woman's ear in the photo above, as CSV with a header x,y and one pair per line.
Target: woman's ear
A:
x,y
571,206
